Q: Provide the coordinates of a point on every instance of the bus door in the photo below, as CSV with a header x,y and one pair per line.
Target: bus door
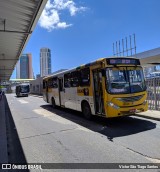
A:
x,y
61,91
47,92
98,91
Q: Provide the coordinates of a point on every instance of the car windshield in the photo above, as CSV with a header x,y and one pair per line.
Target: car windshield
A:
x,y
122,80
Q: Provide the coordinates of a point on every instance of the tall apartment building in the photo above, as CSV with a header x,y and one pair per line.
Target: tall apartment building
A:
x,y
45,61
24,68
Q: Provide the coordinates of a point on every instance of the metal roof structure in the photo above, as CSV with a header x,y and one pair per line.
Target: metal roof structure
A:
x,y
150,57
18,19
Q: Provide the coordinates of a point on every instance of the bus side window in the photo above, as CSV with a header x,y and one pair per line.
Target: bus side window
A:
x,y
67,80
44,84
75,79
50,83
54,82
85,77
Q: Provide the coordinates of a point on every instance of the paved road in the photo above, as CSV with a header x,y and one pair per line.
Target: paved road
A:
x,y
62,135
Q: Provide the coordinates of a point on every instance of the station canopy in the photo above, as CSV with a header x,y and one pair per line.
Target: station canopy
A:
x,y
18,19
150,57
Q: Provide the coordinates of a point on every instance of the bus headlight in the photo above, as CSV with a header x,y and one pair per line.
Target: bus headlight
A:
x,y
145,102
113,105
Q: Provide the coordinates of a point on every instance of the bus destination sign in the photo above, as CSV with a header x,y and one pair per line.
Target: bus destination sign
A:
x,y
120,61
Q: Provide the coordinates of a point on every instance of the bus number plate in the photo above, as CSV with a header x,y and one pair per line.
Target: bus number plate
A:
x,y
132,110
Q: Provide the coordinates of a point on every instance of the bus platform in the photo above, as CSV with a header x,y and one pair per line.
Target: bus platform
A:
x,y
3,133
150,114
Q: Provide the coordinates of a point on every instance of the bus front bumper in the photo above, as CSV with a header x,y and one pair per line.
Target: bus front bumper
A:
x,y
115,111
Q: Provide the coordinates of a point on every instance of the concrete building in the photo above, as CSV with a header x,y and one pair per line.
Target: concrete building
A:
x,y
45,62
36,86
24,68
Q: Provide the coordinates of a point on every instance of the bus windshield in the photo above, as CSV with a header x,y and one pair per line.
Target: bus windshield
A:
x,y
24,88
121,80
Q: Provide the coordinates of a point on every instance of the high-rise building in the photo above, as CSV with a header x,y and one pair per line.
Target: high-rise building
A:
x,y
24,67
45,61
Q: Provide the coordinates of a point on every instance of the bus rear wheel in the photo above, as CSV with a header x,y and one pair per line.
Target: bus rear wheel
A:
x,y
86,110
53,103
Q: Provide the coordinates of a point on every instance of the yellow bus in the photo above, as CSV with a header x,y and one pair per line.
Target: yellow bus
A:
x,y
108,87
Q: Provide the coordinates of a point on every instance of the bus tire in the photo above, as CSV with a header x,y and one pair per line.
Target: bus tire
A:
x,y
53,103
86,110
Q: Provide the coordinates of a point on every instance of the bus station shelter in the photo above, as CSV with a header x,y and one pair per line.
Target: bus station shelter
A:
x,y
18,19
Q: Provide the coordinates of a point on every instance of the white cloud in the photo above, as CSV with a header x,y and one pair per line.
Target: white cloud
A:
x,y
63,25
67,4
50,18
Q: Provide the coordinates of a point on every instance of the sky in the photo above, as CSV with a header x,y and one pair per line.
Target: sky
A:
x,y
81,31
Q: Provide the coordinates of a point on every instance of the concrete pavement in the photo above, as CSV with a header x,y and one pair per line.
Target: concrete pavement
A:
x,y
61,135
150,114
3,134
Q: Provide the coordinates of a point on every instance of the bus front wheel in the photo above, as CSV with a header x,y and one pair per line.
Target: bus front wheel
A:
x,y
86,110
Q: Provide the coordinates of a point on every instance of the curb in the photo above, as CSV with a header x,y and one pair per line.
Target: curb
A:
x,y
148,117
3,133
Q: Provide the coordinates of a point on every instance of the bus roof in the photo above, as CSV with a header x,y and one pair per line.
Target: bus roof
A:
x,y
87,65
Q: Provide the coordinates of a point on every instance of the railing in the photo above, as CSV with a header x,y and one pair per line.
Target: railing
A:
x,y
153,98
